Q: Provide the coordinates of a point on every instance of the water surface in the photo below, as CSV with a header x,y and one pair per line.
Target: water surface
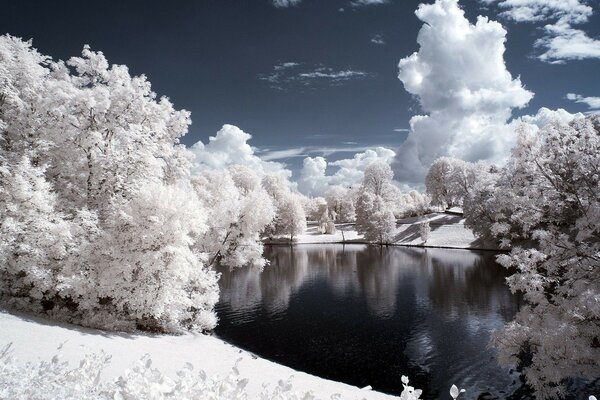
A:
x,y
366,315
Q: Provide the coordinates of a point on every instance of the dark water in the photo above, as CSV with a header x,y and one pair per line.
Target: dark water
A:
x,y
366,315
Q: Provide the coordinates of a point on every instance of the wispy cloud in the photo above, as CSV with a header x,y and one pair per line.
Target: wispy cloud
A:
x,y
285,3
306,151
360,3
287,74
593,103
378,39
401,130
561,41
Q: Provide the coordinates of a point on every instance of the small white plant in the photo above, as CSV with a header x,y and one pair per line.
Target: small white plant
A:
x,y
454,392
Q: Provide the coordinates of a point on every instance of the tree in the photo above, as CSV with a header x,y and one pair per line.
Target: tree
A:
x,y
545,206
374,208
290,217
239,209
341,202
81,145
449,180
374,218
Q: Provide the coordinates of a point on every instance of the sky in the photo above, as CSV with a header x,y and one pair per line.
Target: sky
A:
x,y
320,78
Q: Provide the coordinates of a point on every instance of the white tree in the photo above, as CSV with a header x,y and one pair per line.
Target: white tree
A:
x,y
340,200
374,211
290,217
545,205
238,210
449,180
375,219
83,142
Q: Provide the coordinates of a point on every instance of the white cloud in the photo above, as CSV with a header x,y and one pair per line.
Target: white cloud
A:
x,y
560,41
563,42
230,146
544,116
329,74
288,74
378,39
461,81
314,180
593,103
285,3
360,3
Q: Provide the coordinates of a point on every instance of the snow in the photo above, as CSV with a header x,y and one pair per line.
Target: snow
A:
x,y
34,339
447,230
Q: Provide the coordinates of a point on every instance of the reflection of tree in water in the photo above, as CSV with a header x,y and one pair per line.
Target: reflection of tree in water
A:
x,y
244,289
468,284
361,309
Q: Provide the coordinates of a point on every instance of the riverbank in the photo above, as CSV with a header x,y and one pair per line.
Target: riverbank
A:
x,y
448,230
36,339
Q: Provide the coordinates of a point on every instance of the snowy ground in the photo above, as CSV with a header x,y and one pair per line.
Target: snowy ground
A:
x,y
447,230
34,339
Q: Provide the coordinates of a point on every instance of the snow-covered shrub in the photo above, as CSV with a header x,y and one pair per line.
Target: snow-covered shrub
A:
x,y
56,379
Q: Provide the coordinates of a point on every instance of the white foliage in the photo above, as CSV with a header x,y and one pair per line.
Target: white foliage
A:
x,y
545,205
100,222
239,209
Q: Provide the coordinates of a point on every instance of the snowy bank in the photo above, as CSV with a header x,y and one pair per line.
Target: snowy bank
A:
x,y
447,231
35,339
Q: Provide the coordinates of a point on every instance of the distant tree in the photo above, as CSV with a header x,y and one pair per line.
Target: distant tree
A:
x,y
291,219
374,208
449,180
341,202
290,216
374,218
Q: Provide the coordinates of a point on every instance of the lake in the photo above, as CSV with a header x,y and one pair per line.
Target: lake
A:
x,y
366,315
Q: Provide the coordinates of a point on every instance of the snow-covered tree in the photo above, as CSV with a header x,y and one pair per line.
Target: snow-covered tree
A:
x,y
545,206
290,217
238,210
374,218
449,180
35,239
374,207
81,143
340,201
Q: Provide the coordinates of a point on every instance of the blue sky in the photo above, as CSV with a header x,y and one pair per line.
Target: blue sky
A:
x,y
309,77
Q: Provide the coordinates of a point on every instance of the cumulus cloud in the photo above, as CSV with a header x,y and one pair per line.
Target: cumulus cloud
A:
x,y
285,3
561,41
544,116
593,103
286,75
314,180
461,81
229,147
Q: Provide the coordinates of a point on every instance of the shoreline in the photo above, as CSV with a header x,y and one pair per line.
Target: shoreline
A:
x,y
36,338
